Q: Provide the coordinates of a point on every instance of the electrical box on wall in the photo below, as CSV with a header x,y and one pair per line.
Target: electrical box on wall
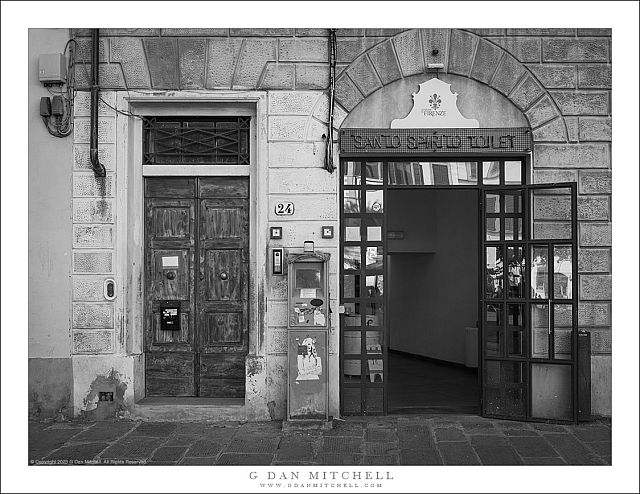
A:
x,y
52,69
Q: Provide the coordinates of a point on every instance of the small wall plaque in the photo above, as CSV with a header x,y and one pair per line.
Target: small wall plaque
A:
x,y
284,209
327,232
276,232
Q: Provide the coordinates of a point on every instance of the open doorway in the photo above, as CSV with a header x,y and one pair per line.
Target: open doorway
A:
x,y
433,301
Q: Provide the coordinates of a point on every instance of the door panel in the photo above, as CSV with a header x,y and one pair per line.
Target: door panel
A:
x,y
196,239
530,311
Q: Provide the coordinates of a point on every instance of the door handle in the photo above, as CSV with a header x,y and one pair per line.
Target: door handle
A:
x,y
224,276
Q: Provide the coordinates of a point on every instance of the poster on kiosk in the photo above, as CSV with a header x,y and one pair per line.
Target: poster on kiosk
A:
x,y
308,327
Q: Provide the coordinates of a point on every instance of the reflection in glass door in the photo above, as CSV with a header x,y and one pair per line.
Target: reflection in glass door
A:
x,y
529,302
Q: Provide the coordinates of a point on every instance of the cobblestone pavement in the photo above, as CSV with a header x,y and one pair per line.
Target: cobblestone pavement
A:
x,y
391,440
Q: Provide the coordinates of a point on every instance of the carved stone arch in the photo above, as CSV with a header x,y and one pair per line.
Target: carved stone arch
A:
x,y
463,54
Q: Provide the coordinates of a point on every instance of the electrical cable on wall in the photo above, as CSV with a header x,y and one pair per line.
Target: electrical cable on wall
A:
x,y
328,160
57,113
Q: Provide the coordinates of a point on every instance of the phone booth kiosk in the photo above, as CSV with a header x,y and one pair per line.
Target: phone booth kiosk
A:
x,y
308,330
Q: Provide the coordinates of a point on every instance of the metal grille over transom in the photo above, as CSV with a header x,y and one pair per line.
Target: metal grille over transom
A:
x,y
193,141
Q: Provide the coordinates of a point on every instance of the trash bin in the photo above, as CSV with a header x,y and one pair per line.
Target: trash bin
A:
x,y
471,347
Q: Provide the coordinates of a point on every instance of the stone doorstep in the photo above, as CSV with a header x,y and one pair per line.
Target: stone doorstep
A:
x,y
188,413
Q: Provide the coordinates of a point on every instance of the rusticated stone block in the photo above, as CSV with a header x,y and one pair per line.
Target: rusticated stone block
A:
x,y
162,58
82,159
594,31
383,31
82,103
575,50
87,289
553,131
551,207
572,128
92,342
130,53
303,50
192,55
287,128
572,155
543,111
86,185
526,93
594,208
601,341
594,314
345,32
301,180
541,32
85,236
548,230
348,49
595,182
93,262
582,102
312,76
295,154
461,49
93,210
522,49
84,46
594,128
92,316
312,32
594,260
487,31
221,61
554,176
106,130
292,102
129,31
595,286
594,234
553,76
277,340
594,76
384,60
362,74
409,51
435,39
321,108
254,55
507,74
193,31
278,76
110,75
487,57
270,31
346,93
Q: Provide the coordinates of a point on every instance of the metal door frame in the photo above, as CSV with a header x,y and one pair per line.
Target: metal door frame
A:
x,y
525,159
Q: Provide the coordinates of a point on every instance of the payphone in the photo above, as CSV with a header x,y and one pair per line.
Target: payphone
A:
x,y
308,327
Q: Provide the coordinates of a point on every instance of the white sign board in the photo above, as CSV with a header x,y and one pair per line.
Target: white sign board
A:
x,y
284,208
434,106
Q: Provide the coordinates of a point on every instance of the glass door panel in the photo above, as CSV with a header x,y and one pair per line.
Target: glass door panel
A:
x,y
528,298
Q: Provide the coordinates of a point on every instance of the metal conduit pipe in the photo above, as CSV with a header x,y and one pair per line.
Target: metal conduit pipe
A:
x,y
98,168
328,159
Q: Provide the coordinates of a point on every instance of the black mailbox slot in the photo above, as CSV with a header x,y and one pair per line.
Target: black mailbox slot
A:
x,y
170,316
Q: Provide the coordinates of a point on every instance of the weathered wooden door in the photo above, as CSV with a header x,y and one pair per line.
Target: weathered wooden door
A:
x,y
197,232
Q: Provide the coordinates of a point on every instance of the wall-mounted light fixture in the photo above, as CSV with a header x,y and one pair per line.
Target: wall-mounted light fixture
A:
x,y
308,246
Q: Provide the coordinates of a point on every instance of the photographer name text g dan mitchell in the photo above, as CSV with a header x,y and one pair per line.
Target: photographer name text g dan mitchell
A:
x,y
324,475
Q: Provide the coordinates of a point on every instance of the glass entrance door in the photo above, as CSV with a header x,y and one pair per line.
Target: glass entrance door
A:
x,y
529,302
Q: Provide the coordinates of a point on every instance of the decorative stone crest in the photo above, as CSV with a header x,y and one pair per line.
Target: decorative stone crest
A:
x,y
434,106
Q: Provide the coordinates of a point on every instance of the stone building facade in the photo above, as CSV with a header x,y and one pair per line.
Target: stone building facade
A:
x,y
558,80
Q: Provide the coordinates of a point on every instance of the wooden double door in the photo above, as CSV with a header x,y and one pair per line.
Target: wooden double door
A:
x,y
196,286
